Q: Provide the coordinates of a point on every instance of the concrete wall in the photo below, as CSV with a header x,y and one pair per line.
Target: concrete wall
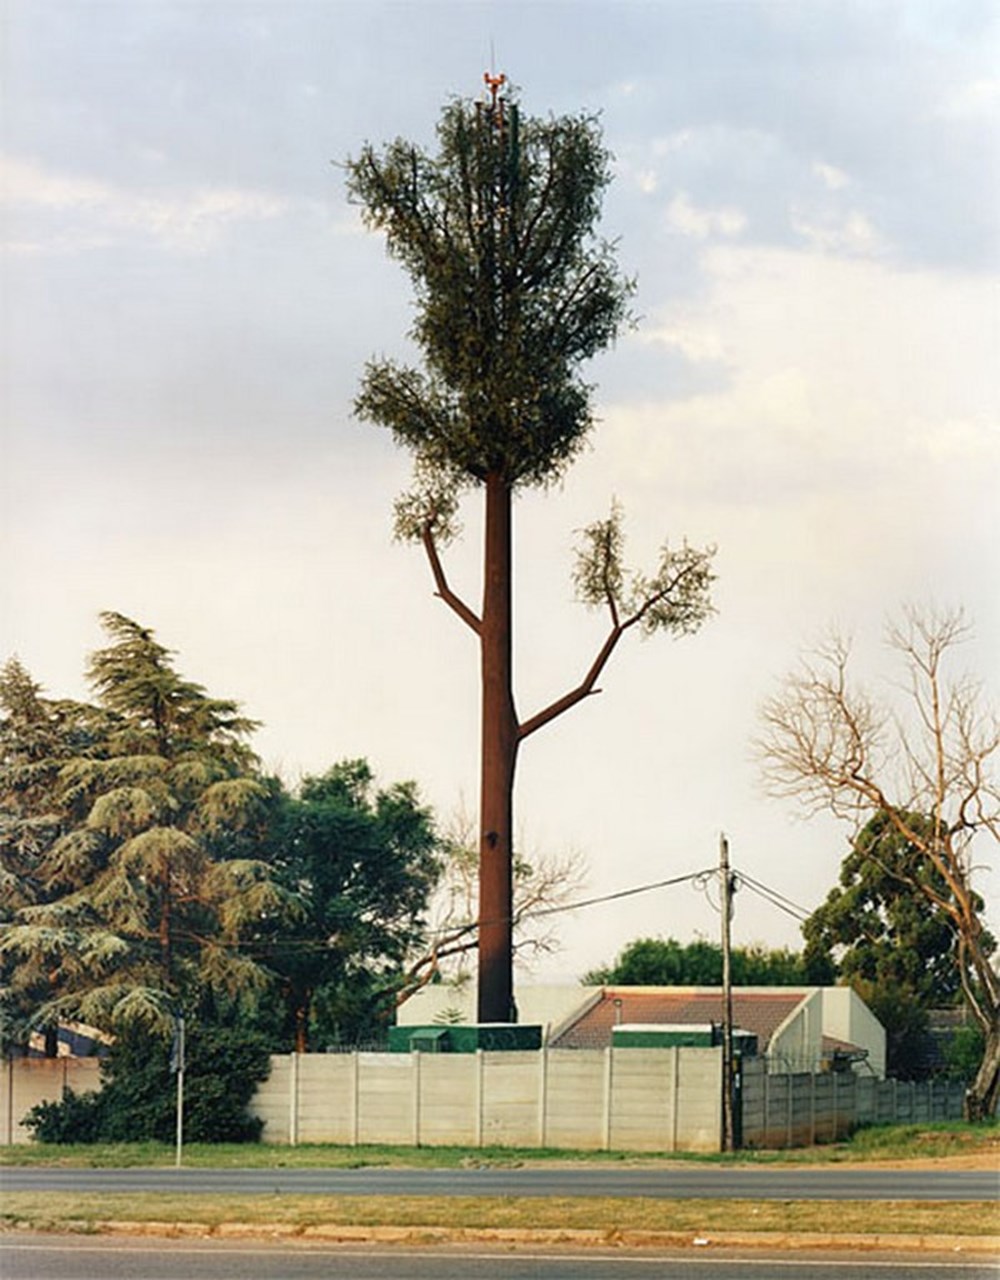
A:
x,y
802,1108
613,1099
24,1082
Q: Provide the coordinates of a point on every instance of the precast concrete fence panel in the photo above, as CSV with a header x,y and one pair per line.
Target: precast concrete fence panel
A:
x,y
615,1099
25,1082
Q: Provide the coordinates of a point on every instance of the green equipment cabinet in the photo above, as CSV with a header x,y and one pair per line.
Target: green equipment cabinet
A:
x,y
465,1038
663,1036
671,1035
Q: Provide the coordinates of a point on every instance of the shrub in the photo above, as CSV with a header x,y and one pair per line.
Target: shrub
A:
x,y
138,1100
77,1118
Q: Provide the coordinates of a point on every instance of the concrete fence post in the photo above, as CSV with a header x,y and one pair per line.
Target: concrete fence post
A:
x,y
543,1093
355,1097
608,1083
415,1060
834,1104
293,1100
675,1094
767,1104
9,1096
480,1101
789,1108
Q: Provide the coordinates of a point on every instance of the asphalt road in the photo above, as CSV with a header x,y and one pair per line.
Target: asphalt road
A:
x,y
26,1257
677,1182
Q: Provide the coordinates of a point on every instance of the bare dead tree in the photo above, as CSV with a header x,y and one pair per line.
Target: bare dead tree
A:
x,y
932,755
542,885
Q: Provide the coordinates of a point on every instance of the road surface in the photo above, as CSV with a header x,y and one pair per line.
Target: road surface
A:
x,y
27,1257
676,1182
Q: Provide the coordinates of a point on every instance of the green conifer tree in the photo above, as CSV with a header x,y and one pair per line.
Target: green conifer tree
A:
x,y
131,912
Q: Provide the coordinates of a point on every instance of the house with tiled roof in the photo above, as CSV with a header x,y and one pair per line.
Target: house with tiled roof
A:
x,y
795,1028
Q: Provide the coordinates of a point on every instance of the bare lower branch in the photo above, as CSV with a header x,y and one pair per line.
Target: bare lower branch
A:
x,y
424,970
583,690
444,591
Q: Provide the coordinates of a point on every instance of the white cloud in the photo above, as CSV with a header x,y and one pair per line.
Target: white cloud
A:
x,y
850,233
833,179
700,345
671,142
972,100
189,220
689,220
844,374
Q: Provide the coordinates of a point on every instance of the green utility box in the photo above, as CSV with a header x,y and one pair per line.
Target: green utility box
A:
x,y
744,1042
670,1035
642,1035
465,1038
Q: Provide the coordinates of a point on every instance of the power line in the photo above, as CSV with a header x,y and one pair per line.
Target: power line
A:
x,y
314,944
775,898
612,897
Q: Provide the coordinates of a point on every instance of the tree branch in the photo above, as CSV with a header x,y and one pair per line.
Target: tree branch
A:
x,y
444,591
583,690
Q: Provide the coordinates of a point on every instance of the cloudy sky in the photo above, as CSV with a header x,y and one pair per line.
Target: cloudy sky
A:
x,y
807,193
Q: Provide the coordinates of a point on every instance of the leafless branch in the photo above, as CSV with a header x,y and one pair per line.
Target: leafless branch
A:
x,y
444,591
927,766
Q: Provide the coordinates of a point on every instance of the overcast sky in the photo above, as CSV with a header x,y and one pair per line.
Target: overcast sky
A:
x,y
807,194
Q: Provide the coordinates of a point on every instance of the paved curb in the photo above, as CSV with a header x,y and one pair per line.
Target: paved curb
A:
x,y
332,1233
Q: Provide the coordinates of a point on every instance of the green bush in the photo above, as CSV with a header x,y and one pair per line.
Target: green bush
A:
x,y
77,1118
138,1100
963,1054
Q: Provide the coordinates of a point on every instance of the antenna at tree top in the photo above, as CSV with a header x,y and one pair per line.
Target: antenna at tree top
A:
x,y
494,83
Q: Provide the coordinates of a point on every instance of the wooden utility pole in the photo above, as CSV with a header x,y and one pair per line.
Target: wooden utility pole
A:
x,y
726,904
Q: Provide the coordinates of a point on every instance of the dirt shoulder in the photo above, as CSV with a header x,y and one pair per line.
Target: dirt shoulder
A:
x,y
982,1161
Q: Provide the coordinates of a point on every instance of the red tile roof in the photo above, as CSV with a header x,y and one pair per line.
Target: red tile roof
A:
x,y
759,1011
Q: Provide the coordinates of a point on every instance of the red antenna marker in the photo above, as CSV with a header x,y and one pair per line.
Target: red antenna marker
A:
x,y
495,83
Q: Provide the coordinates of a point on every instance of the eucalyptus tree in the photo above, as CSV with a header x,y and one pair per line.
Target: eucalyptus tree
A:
x,y
132,910
889,939
925,765
514,291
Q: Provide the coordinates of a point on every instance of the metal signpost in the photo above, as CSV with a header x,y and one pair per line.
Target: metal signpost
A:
x,y
177,1067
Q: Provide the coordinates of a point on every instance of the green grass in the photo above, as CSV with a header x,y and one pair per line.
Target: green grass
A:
x,y
883,1142
609,1218
425,1218
925,1141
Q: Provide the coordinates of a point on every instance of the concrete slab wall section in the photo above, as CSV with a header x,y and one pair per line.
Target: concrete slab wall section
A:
x,y
620,1099
25,1082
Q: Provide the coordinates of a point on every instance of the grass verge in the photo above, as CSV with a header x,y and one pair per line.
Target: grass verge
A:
x,y
66,1212
877,1143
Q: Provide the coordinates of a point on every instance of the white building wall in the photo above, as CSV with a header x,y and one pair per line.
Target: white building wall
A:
x,y
797,1045
544,1005
847,1017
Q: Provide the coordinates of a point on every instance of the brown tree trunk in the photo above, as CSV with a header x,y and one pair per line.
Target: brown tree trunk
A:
x,y
164,930
983,1094
497,762
302,1024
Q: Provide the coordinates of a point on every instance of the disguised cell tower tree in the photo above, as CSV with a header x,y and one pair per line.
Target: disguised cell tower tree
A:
x,y
513,292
